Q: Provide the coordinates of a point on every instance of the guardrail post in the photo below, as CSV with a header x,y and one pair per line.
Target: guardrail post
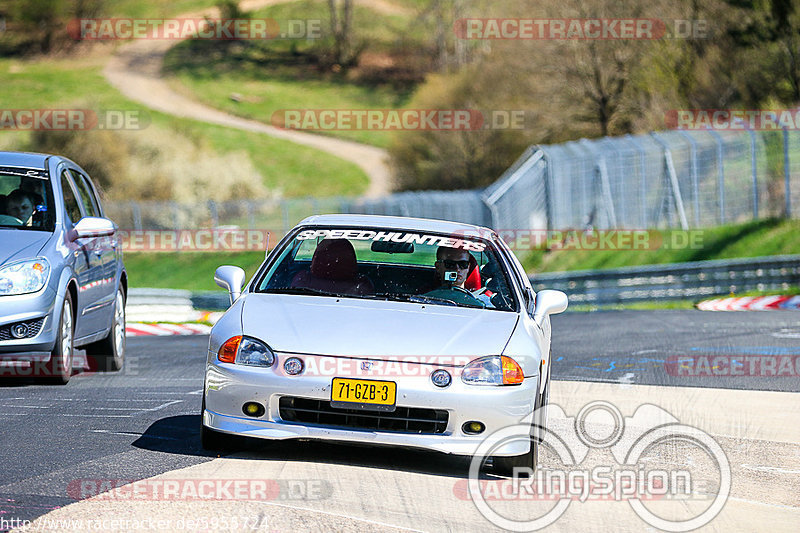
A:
x,y
673,181
787,173
720,175
643,192
693,172
754,172
549,208
251,218
212,209
285,215
600,166
175,220
137,216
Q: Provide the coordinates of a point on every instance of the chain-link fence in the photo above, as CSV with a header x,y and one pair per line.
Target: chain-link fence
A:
x,y
674,179
668,179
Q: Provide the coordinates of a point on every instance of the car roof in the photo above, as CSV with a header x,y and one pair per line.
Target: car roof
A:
x,y
381,221
24,160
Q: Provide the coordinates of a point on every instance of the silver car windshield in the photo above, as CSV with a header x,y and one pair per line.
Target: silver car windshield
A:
x,y
391,264
26,200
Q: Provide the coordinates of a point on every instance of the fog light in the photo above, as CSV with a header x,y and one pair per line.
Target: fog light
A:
x,y
473,428
293,366
441,378
19,331
253,409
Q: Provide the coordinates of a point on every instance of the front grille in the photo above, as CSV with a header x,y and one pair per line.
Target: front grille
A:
x,y
402,420
33,328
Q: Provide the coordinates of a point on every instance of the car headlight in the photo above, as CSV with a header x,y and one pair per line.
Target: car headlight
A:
x,y
24,277
246,351
492,370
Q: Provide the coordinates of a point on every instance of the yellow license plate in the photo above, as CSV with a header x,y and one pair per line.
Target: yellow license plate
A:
x,y
363,391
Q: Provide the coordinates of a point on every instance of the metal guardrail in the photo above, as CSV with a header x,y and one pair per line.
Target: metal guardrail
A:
x,y
144,298
601,287
673,282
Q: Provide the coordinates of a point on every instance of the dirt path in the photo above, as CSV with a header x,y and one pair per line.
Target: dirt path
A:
x,y
135,70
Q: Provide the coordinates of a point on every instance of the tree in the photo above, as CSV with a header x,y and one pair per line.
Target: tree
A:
x,y
769,31
42,17
341,15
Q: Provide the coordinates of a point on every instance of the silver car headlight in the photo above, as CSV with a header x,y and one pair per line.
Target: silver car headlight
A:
x,y
24,277
246,351
492,370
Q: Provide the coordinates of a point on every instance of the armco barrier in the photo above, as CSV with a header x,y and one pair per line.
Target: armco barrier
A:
x,y
693,280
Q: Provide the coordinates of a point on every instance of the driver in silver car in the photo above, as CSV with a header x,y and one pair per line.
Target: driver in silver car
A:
x,y
452,268
20,205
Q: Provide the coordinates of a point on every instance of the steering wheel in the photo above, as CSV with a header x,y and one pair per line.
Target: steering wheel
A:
x,y
478,292
8,219
460,289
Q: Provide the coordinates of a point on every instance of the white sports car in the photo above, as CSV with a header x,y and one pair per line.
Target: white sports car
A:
x,y
385,330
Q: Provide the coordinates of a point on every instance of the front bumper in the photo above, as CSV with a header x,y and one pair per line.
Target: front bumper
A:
x,y
229,386
26,307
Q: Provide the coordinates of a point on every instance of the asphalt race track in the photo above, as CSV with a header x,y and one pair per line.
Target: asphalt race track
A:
x,y
144,422
645,347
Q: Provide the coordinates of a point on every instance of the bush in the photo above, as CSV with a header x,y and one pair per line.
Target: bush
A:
x,y
162,165
446,160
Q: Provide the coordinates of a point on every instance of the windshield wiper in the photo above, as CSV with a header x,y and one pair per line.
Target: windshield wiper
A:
x,y
414,298
300,290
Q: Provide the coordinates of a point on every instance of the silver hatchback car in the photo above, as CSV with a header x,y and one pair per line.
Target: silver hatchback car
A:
x,y
62,281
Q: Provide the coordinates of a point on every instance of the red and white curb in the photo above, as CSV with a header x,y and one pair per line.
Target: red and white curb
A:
x,y
161,330
751,303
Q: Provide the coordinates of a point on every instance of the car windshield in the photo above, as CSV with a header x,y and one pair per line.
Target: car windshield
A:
x,y
391,264
26,200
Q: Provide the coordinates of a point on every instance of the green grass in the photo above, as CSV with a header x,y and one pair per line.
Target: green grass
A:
x,y
285,74
153,8
192,271
634,306
752,239
294,169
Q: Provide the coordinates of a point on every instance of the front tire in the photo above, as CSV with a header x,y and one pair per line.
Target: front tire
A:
x,y
211,440
504,466
59,368
108,354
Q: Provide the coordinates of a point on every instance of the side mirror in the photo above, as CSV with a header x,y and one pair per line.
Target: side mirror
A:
x,y
88,227
549,302
230,278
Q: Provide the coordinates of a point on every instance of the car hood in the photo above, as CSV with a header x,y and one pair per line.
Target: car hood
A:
x,y
374,328
18,244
